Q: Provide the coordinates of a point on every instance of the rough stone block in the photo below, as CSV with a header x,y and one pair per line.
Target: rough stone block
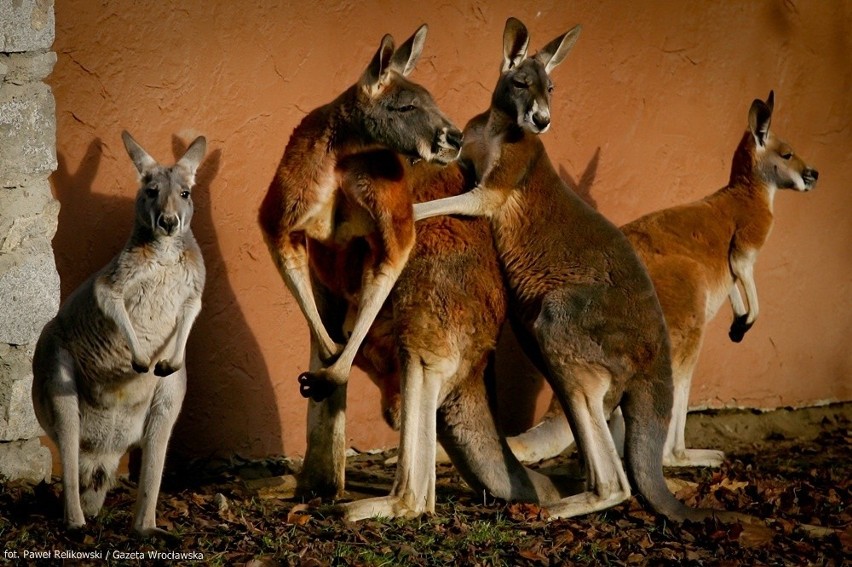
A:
x,y
29,460
26,213
29,292
22,68
28,131
26,25
17,417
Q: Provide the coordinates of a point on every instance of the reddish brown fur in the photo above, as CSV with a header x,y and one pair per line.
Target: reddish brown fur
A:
x,y
341,179
690,252
444,313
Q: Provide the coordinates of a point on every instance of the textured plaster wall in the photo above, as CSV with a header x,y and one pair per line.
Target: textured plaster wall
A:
x,y
647,112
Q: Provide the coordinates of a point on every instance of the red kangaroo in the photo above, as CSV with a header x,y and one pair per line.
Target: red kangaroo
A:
x,y
318,196
583,303
698,255
432,342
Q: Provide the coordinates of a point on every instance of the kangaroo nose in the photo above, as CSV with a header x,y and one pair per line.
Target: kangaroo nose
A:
x,y
810,176
168,223
541,121
454,138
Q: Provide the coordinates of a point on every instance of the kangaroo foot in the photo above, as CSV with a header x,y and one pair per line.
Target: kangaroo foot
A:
x,y
381,507
694,458
154,532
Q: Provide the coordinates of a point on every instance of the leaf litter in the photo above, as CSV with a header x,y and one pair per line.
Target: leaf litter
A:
x,y
243,511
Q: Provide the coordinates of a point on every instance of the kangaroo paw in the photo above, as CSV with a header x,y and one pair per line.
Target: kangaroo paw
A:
x,y
164,368
739,328
315,386
140,367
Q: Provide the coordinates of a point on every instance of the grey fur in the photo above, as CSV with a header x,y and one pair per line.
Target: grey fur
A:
x,y
94,390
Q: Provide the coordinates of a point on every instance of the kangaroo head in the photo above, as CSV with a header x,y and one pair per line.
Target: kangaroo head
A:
x,y
400,114
164,200
768,158
524,87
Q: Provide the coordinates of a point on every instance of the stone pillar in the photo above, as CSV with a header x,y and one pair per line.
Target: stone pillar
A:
x,y
29,283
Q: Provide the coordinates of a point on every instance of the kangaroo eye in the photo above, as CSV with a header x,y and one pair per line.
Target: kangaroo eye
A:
x,y
788,155
406,108
550,88
184,194
152,191
517,83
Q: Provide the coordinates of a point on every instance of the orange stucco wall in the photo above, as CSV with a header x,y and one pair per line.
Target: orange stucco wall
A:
x,y
647,111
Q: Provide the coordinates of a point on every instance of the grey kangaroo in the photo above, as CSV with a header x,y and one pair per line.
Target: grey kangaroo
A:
x,y
109,368
583,305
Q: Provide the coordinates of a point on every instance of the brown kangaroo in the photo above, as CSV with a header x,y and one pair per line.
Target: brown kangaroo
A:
x,y
697,254
583,304
318,198
94,390
432,341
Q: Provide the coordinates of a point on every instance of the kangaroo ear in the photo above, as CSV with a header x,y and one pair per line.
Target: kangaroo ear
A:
x,y
143,162
759,117
378,67
194,154
516,39
770,101
555,52
405,57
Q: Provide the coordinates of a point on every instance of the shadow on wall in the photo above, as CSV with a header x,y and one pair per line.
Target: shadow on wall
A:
x,y
519,383
224,360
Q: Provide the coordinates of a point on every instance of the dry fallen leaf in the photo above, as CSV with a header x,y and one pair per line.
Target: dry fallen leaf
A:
x,y
298,515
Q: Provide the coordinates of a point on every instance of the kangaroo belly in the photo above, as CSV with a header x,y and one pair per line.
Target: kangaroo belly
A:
x,y
112,417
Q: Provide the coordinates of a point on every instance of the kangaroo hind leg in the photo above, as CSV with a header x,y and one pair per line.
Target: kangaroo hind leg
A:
x,y
162,414
413,492
581,382
57,407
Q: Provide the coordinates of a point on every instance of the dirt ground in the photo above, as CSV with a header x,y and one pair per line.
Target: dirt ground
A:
x,y
791,469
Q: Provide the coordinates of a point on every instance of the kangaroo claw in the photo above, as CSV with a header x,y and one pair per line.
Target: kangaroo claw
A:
x,y
315,386
739,328
164,368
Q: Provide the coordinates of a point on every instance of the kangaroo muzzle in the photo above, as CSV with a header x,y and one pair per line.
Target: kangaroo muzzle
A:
x,y
810,176
446,145
168,223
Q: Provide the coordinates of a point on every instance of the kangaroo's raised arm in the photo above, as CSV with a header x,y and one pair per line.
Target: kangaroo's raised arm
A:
x,y
520,102
317,194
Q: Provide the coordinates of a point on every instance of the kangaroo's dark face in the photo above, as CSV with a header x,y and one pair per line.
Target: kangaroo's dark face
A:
x,y
401,114
164,200
523,92
524,87
405,118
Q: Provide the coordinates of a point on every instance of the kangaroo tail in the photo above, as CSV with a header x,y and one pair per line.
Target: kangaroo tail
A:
x,y
647,409
468,433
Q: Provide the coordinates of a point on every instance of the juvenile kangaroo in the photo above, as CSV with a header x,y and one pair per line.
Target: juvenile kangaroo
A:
x,y
109,368
319,197
697,255
584,305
